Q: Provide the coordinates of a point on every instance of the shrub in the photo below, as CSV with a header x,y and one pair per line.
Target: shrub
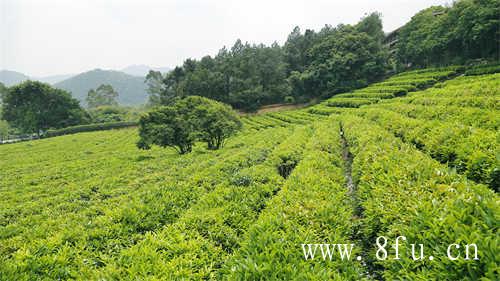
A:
x,y
166,127
215,121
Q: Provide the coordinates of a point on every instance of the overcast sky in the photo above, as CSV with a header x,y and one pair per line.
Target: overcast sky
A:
x,y
50,37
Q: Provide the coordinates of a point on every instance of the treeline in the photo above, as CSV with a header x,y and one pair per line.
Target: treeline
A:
x,y
309,65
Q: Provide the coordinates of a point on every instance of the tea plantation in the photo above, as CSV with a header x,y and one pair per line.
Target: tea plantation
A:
x,y
415,155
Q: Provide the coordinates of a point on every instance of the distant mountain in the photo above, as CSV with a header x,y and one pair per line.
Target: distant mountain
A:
x,y
131,89
53,79
142,69
9,78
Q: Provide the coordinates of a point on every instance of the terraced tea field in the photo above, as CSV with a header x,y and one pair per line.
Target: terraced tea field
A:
x,y
416,155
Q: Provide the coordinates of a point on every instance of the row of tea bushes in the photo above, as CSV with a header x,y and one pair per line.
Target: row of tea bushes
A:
x,y
404,192
472,151
395,86
312,207
483,69
469,116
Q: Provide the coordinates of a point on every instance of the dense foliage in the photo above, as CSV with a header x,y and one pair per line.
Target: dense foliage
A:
x,y
342,59
33,107
469,29
186,121
104,95
105,114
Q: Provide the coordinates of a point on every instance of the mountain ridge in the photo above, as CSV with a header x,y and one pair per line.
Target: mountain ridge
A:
x,y
131,89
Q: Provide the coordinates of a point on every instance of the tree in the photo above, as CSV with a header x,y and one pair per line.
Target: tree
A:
x,y
342,61
105,114
3,89
156,88
296,48
215,121
166,128
104,95
34,107
372,25
186,121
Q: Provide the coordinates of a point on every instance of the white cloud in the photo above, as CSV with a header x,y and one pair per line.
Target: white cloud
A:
x,y
56,36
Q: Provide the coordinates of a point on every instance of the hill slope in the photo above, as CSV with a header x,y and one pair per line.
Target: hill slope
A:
x,y
9,78
131,89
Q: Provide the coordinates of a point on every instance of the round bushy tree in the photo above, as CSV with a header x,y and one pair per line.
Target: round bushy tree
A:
x,y
33,106
186,121
215,121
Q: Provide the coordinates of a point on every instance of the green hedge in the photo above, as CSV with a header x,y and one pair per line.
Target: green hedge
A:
x,y
349,102
483,69
455,68
366,95
419,83
88,128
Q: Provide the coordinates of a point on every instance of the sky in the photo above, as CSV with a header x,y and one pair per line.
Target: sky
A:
x,y
49,37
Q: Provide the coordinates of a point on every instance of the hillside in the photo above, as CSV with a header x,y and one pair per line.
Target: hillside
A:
x,y
131,89
9,78
414,155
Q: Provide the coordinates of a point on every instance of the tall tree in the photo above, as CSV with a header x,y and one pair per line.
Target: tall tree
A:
x,y
104,95
3,89
372,25
156,88
33,107
344,61
296,49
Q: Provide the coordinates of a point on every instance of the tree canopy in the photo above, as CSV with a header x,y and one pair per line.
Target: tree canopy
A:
x,y
469,29
342,59
33,106
3,89
104,95
186,121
